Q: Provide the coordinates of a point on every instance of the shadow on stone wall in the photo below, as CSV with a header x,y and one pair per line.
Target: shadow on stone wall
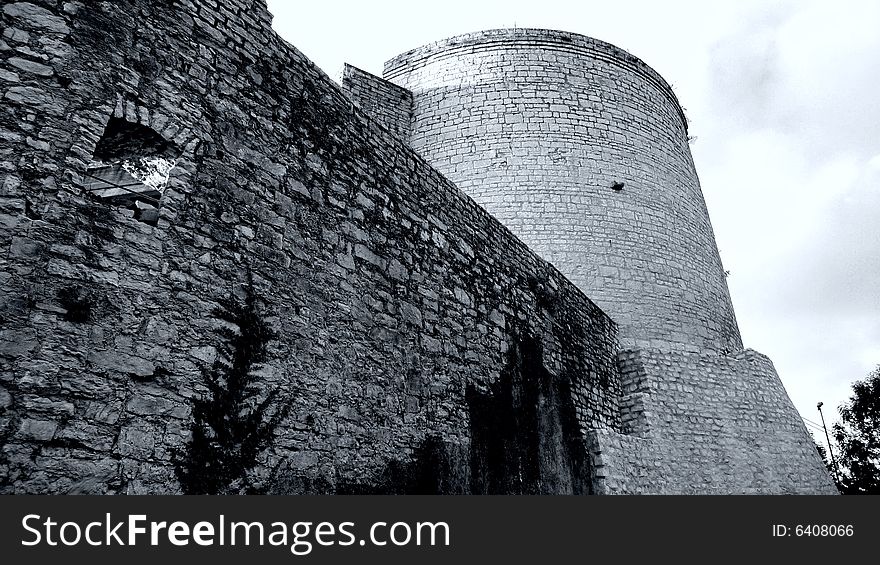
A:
x,y
525,439
233,423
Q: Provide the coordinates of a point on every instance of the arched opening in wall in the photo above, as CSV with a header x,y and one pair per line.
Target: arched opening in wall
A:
x,y
130,168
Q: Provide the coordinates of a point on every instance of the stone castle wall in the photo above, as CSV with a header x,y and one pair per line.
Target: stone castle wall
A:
x,y
538,126
421,346
415,331
387,103
705,423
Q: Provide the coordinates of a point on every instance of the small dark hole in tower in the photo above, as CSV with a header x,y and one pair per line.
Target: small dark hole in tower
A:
x,y
617,186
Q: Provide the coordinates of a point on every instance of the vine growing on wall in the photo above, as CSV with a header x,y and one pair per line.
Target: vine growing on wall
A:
x,y
231,424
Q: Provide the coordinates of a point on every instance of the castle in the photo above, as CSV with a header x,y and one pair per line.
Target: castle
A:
x,y
490,271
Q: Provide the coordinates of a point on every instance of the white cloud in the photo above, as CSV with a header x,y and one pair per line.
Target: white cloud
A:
x,y
788,155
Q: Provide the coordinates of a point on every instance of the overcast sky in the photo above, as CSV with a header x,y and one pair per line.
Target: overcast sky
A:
x,y
784,101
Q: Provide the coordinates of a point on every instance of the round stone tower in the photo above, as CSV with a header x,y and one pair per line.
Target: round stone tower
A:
x,y
581,150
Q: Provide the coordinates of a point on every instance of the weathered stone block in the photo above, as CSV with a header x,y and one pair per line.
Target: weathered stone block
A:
x,y
38,430
121,361
30,66
37,17
136,441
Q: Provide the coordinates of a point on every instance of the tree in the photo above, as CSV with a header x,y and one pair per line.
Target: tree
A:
x,y
858,438
231,425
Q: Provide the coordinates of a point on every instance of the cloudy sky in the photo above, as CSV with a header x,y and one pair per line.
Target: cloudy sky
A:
x,y
783,99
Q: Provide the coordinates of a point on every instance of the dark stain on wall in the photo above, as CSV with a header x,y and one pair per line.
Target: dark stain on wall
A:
x,y
434,468
525,439
524,433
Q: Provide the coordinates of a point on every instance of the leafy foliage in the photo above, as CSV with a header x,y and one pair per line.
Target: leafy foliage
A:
x,y
858,438
231,424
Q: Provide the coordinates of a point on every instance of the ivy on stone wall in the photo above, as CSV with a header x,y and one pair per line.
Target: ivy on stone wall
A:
x,y
231,424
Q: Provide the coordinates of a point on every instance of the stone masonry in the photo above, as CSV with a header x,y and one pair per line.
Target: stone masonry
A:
x,y
421,345
708,410
581,150
539,126
387,103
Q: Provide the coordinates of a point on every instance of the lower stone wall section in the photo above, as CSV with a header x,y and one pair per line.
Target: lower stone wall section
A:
x,y
705,423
